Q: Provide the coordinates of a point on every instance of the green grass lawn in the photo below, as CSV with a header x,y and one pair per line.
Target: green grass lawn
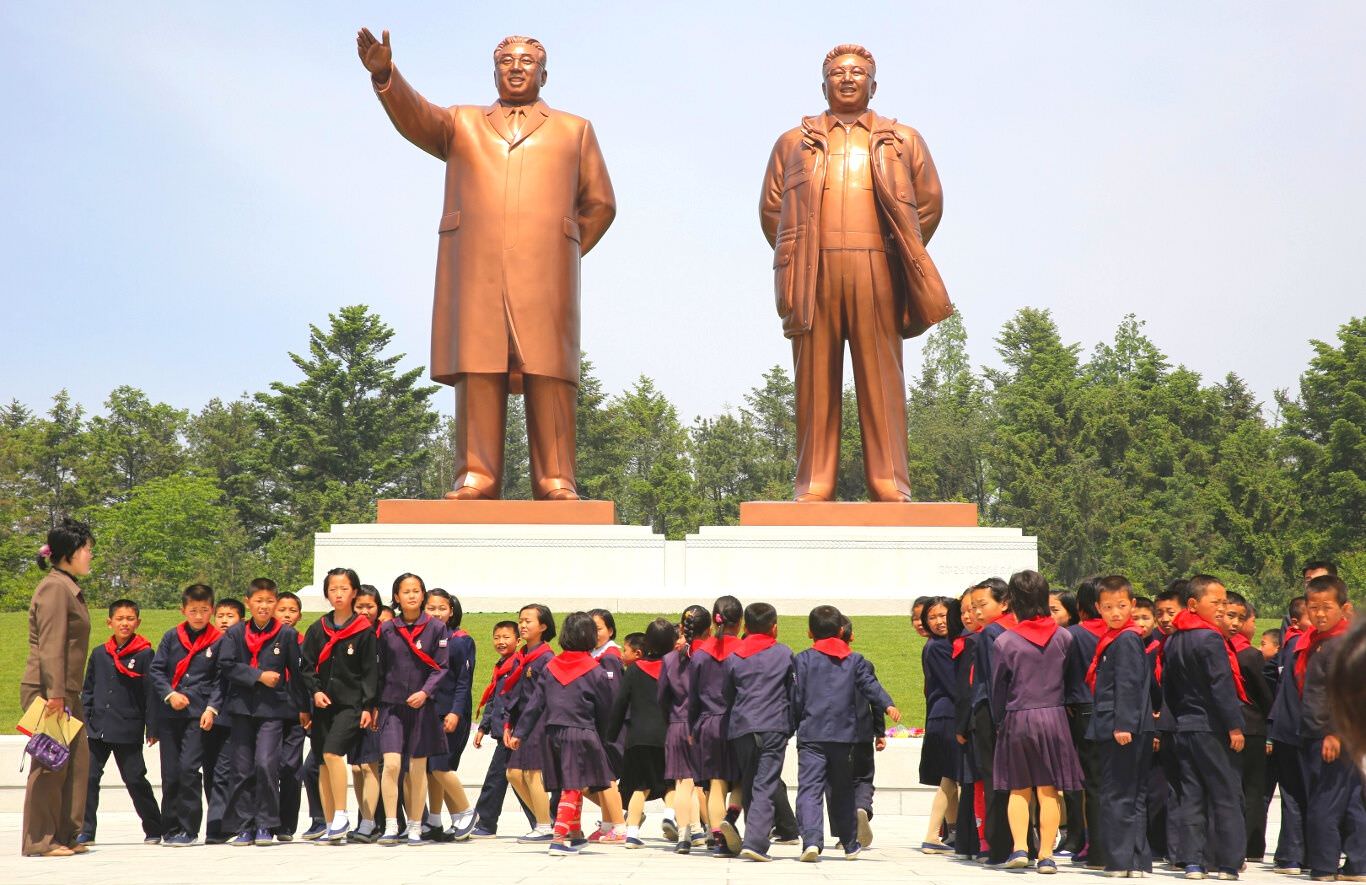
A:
x,y
889,642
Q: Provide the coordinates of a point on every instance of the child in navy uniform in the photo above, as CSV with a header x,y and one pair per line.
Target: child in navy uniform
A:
x,y
227,613
1203,693
536,624
185,682
707,716
759,688
967,842
675,701
1240,619
939,754
117,718
1121,728
454,706
494,718
289,610
265,695
570,701
1287,762
638,701
871,738
832,682
991,606
1086,634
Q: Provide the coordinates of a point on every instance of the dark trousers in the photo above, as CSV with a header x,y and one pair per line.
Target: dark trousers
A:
x,y
182,744
1294,794
1074,801
996,828
312,769
1211,810
1253,759
759,759
1088,754
1124,804
133,770
965,842
862,765
784,821
256,746
1177,851
217,778
291,778
494,791
821,765
1158,791
1338,816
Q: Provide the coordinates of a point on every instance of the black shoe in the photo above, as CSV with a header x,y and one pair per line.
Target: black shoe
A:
x,y
362,838
684,847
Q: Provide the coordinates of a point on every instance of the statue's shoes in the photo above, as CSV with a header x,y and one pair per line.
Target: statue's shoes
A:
x,y
562,495
465,493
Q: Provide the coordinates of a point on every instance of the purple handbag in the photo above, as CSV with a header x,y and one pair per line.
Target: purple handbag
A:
x,y
47,751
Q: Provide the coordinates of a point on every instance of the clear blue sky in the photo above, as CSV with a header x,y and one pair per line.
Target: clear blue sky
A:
x,y
187,186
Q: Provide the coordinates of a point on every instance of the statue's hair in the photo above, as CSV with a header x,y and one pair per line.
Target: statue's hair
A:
x,y
514,39
847,49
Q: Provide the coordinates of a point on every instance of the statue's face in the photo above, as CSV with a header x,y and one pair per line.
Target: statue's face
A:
x,y
849,84
518,73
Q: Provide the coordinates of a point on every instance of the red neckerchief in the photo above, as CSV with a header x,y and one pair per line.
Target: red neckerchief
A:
x,y
1308,649
522,660
257,641
959,643
834,647
1156,646
1007,621
719,647
1189,620
650,668
570,665
1239,642
1291,632
611,650
755,643
410,635
460,634
357,624
500,669
1109,637
1037,630
135,645
210,635
1095,626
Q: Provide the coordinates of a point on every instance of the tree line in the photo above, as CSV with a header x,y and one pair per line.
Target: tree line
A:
x,y
1117,460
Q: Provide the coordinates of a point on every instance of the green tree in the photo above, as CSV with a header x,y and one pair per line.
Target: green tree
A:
x,y
653,485
772,409
225,441
727,457
947,421
135,441
596,467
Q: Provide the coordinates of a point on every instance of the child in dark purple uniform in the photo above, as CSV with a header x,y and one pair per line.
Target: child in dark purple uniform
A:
x,y
1034,754
527,760
571,701
413,655
707,717
453,708
939,754
675,699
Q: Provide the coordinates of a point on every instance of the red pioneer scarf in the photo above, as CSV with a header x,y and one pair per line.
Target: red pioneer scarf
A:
x,y
719,647
210,635
410,636
500,669
570,665
1095,626
1307,650
611,650
650,668
1239,642
1291,632
257,641
834,647
358,624
1155,646
522,661
1007,621
135,645
1189,620
1037,630
755,643
1105,641
959,643
460,634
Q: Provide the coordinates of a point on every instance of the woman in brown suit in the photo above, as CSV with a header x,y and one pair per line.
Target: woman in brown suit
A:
x,y
58,646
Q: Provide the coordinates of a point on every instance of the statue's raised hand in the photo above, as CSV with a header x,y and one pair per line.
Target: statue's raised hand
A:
x,y
376,55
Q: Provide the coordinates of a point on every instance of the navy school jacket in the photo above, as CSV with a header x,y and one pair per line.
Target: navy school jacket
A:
x,y
119,709
1259,694
1079,656
494,716
1197,684
675,687
1122,699
350,675
936,661
1316,710
759,692
586,702
247,696
983,661
870,720
515,701
201,684
1283,724
829,692
453,695
637,701
963,687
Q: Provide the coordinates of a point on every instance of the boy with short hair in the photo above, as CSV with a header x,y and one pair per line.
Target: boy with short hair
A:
x,y
493,705
185,684
1167,605
759,689
218,763
1241,617
870,738
632,647
118,718
832,683
289,610
265,694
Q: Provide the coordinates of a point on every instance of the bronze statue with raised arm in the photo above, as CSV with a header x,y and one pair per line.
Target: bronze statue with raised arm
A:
x,y
850,199
526,196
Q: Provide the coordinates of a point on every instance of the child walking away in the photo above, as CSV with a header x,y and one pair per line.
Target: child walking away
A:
x,y
707,716
1034,755
939,751
341,674
1338,822
870,739
570,702
832,683
185,682
453,705
494,717
118,718
1121,728
1203,692
759,687
265,694
413,650
991,607
675,701
527,760
643,775
1240,619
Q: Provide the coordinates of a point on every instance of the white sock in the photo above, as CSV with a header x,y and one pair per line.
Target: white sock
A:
x,y
545,828
366,827
391,827
462,818
633,832
434,819
618,828
339,821
685,834
414,832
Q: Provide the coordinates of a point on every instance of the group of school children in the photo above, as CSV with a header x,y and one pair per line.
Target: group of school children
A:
x,y
1156,727
698,714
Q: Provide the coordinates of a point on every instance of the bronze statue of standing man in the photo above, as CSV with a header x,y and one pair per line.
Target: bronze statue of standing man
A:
x,y
850,198
527,195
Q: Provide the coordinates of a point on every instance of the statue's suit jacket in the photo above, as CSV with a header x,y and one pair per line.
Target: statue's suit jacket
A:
x,y
518,215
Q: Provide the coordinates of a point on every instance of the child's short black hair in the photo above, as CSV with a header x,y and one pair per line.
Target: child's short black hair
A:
x,y
1296,607
350,574
1174,592
1144,603
998,588
657,640
261,584
547,620
953,612
824,622
1197,585
1088,596
1275,634
1328,584
726,612
453,622
1114,584
579,633
921,602
636,641
1314,565
1238,599
196,593
63,540
371,591
846,629
1068,600
281,597
760,617
607,621
124,603
1029,595
234,604
506,625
